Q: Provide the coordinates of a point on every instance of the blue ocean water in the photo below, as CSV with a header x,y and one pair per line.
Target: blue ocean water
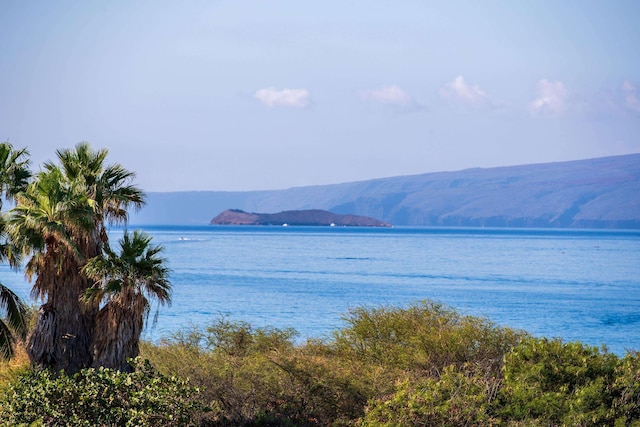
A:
x,y
574,284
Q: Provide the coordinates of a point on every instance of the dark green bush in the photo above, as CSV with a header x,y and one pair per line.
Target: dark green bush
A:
x,y
559,383
456,398
626,390
100,397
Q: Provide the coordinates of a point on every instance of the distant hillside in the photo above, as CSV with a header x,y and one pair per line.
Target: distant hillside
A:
x,y
313,217
595,193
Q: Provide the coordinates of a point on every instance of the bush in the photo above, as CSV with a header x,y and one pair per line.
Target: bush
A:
x,y
559,383
424,338
626,389
456,398
259,377
99,397
421,365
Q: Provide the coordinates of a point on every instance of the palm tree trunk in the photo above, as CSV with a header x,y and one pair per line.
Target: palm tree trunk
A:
x,y
63,336
118,328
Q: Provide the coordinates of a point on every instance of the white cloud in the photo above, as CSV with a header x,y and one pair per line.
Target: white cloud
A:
x,y
460,92
272,97
631,98
551,100
390,95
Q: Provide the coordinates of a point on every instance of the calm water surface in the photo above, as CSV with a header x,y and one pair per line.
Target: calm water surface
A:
x,y
578,285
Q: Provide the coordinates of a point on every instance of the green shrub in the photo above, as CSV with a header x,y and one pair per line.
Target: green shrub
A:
x,y
421,365
99,397
259,377
424,337
256,376
559,383
230,362
456,398
626,388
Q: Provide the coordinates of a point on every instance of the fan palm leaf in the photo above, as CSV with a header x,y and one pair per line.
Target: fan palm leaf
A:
x,y
15,312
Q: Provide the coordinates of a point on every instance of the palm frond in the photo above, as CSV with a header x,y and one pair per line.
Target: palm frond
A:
x,y
14,170
6,342
15,309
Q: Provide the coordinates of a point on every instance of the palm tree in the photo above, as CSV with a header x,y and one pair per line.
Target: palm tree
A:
x,y
125,282
60,221
14,174
48,222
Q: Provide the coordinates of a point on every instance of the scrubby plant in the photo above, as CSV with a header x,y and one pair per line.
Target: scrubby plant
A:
x,y
253,375
455,398
100,397
230,362
260,377
626,390
424,337
559,383
416,366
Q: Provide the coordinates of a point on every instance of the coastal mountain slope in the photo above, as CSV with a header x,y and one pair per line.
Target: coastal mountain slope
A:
x,y
595,193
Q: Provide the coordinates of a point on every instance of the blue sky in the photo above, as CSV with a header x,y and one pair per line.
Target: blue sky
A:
x,y
255,94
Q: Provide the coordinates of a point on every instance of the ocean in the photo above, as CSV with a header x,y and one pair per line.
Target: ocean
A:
x,y
574,284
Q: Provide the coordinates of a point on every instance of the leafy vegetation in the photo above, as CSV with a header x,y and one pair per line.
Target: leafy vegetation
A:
x,y
458,397
99,397
244,376
424,365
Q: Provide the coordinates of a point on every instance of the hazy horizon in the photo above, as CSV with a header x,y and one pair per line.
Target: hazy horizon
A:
x,y
250,95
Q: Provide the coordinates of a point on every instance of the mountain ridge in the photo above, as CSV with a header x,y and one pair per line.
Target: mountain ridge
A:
x,y
594,193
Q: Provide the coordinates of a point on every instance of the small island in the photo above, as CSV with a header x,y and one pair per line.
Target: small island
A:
x,y
311,217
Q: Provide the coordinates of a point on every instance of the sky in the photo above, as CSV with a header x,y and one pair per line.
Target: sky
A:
x,y
239,95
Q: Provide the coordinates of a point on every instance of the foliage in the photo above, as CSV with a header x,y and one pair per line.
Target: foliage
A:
x,y
560,383
421,365
11,369
137,266
13,324
14,170
100,397
626,389
251,375
260,377
14,174
425,338
456,398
